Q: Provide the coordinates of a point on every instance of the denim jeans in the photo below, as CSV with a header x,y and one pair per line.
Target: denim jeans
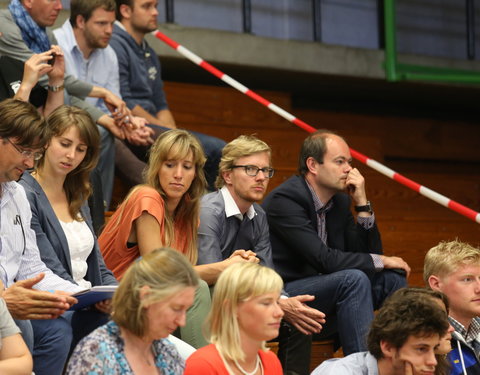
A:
x,y
294,350
49,342
348,298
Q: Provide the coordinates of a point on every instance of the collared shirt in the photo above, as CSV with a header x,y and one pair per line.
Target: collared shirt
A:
x,y
362,363
19,254
100,69
471,335
231,208
220,220
321,209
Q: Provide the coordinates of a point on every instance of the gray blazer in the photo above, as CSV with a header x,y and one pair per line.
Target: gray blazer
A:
x,y
52,242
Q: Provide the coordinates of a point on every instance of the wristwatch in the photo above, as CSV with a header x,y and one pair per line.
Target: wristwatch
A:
x,y
56,88
366,208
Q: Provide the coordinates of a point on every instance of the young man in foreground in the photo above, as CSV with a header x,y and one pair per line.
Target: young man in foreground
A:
x,y
453,268
402,340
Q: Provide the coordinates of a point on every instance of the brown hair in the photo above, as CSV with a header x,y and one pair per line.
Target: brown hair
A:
x,y
119,3
85,8
22,121
77,183
405,314
315,146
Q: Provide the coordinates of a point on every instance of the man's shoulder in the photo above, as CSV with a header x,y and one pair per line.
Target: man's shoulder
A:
x,y
213,201
293,184
108,53
358,363
7,23
119,37
6,15
294,187
14,191
12,188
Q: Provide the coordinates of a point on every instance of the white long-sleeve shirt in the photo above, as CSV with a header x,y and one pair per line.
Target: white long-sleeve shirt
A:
x,y
19,254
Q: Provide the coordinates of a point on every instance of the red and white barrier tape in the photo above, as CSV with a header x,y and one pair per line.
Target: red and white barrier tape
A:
x,y
436,197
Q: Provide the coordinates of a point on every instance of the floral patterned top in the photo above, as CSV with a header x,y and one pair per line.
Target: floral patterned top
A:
x,y
102,352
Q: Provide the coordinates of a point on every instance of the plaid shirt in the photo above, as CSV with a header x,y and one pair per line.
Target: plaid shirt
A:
x,y
471,336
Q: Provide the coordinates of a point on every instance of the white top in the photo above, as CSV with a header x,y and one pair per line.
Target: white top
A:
x,y
19,255
80,244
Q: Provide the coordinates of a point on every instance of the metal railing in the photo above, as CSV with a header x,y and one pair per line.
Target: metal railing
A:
x,y
396,71
385,29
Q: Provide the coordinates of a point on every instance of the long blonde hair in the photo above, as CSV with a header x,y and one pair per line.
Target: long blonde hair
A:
x,y
238,283
176,144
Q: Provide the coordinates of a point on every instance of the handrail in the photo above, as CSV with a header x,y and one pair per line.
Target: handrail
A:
x,y
440,199
396,71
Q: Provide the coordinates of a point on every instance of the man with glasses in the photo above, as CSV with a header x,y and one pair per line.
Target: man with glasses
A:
x,y
35,296
319,249
233,228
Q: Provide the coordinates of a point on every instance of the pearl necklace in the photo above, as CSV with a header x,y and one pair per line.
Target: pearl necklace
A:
x,y
257,364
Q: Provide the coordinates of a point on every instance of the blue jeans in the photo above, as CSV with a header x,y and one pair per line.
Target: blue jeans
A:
x,y
49,342
348,298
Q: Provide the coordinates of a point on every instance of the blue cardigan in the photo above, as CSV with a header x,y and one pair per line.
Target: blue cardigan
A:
x,y
52,242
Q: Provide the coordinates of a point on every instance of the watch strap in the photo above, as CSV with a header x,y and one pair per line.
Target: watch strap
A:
x,y
365,208
56,88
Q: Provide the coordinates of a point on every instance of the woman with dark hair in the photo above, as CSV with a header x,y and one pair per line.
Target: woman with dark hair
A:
x,y
58,189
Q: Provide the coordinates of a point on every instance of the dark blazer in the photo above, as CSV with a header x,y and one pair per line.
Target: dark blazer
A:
x,y
52,242
297,250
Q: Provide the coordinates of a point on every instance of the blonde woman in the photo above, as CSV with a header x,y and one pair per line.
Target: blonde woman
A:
x,y
163,212
149,304
245,313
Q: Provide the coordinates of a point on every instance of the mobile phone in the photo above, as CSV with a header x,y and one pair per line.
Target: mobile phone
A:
x,y
52,60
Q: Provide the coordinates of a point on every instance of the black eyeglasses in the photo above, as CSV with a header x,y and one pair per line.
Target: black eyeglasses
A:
x,y
252,170
25,153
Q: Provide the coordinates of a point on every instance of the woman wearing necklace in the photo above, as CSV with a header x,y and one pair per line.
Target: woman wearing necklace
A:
x,y
57,191
245,313
149,304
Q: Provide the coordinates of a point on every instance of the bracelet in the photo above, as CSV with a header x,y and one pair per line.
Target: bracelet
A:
x,y
56,88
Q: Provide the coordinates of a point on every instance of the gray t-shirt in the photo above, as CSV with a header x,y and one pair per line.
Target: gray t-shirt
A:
x,y
7,325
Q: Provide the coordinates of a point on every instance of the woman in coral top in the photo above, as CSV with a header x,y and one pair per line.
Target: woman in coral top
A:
x,y
245,313
163,212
